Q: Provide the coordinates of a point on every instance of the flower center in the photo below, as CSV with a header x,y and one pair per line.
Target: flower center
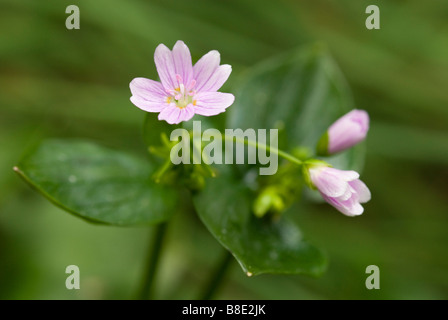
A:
x,y
182,96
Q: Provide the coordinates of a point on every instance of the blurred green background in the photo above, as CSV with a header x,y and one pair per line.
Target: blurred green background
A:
x,y
56,82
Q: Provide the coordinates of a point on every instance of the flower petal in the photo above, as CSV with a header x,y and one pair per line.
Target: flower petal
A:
x,y
329,184
348,130
347,175
175,115
349,207
147,89
163,59
217,79
205,67
361,190
182,62
212,103
186,113
148,106
347,195
148,95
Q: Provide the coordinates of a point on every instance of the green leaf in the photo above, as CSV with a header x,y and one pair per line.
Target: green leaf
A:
x,y
259,245
96,183
301,94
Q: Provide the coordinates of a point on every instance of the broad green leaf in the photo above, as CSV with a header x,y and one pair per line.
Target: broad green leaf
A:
x,y
97,184
301,94
259,245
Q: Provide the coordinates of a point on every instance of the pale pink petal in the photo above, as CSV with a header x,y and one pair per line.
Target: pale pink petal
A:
x,y
217,79
328,184
348,207
147,89
347,175
148,95
182,62
205,67
212,103
186,113
347,195
361,190
348,130
149,106
208,112
175,115
345,137
169,114
351,207
163,59
362,118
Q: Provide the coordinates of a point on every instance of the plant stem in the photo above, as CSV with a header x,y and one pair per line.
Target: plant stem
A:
x,y
152,262
161,171
257,145
217,277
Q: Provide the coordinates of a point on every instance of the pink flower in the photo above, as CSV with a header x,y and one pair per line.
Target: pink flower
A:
x,y
345,132
184,90
342,189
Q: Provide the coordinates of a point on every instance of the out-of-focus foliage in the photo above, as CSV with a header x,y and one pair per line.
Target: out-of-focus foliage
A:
x,y
56,82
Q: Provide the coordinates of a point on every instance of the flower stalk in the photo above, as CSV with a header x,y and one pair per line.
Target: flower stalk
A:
x,y
217,277
146,291
263,146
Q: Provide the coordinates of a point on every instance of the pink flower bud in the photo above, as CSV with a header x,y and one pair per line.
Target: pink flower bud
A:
x,y
342,189
344,133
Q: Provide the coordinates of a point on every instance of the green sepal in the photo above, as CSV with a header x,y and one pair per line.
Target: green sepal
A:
x,y
322,145
307,165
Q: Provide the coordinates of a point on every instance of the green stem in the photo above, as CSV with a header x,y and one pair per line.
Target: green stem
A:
x,y
215,281
152,262
161,171
257,145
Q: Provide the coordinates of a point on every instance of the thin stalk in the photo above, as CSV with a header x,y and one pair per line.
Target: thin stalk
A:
x,y
217,277
257,145
152,262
